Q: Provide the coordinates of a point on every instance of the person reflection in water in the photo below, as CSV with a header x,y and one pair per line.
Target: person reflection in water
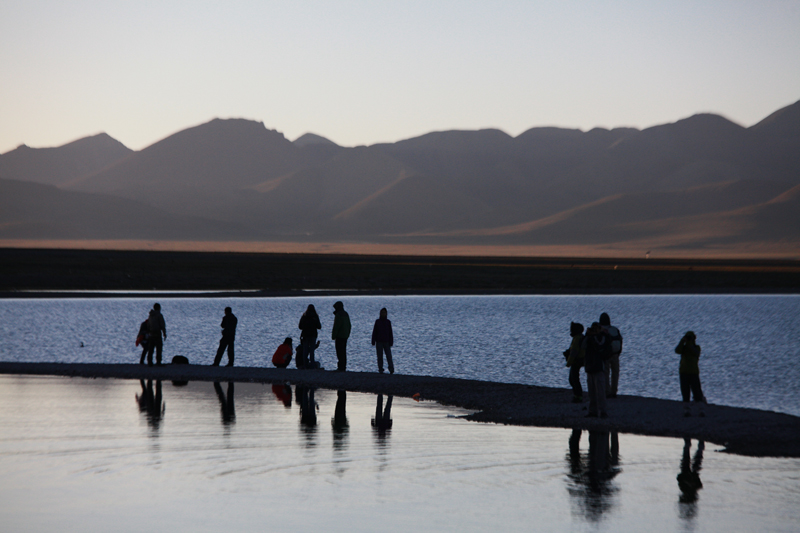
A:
x,y
591,475
283,393
150,403
226,406
339,422
382,423
304,396
689,479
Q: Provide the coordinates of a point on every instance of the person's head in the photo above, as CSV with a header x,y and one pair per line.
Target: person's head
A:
x,y
228,310
594,328
287,341
575,328
157,306
690,336
604,319
384,313
338,306
311,310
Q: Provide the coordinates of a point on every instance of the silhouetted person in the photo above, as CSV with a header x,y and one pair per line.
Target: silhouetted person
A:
x,y
228,326
283,355
611,368
383,340
157,328
340,333
226,405
595,348
151,402
309,324
339,420
574,355
283,393
382,423
690,373
143,339
689,478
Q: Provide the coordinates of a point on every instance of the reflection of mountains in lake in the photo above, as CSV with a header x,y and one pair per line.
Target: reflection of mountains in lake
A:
x,y
699,181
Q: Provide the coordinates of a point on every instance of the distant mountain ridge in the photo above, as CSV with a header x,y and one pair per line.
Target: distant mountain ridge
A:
x,y
698,181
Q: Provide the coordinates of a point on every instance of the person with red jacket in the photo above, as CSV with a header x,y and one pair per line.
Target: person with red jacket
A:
x,y
283,355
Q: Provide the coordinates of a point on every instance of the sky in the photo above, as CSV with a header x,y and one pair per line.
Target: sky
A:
x,y
367,72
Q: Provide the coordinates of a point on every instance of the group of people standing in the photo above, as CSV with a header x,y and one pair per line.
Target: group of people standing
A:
x,y
152,329
598,352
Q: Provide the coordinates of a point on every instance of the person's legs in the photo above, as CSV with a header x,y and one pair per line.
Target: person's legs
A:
x,y
222,345
389,362
341,354
308,350
151,346
685,389
379,351
575,382
697,393
591,384
601,394
230,352
614,364
159,348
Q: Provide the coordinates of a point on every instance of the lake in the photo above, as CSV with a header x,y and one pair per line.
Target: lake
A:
x,y
750,342
100,455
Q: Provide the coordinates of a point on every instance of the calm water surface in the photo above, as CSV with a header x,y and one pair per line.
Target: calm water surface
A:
x,y
113,455
751,344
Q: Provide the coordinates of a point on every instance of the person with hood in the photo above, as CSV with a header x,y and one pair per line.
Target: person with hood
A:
x,y
309,324
340,334
689,372
383,339
612,364
596,350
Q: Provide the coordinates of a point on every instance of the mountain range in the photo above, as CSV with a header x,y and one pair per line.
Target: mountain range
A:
x,y
703,181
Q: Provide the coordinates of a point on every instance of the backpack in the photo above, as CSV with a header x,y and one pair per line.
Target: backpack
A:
x,y
616,339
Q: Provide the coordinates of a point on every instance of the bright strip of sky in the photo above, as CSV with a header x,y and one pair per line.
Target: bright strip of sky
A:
x,y
367,72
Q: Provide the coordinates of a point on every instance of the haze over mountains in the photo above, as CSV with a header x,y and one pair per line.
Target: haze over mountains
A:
x,y
699,182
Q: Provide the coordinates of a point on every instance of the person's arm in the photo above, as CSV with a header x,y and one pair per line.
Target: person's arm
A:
x,y
337,323
391,335
163,326
374,330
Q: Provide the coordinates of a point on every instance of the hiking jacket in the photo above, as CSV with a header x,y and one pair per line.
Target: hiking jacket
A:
x,y
596,350
229,326
690,357
341,325
576,351
382,331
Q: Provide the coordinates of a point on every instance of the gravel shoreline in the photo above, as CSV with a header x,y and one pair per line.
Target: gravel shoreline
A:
x,y
738,430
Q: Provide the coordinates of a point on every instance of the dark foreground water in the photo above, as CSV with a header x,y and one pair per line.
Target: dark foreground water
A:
x,y
751,344
112,455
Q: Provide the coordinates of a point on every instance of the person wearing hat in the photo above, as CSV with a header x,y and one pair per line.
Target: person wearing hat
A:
x,y
340,334
689,372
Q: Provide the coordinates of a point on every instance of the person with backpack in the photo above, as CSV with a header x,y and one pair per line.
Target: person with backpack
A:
x,y
575,355
612,364
596,351
689,372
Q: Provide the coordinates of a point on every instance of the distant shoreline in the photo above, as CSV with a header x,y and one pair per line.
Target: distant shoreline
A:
x,y
64,273
741,431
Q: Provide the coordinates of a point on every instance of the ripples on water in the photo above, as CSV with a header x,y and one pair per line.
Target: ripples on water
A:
x,y
750,343
114,455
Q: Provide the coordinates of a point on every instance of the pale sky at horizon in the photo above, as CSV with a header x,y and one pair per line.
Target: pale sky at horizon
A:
x,y
362,72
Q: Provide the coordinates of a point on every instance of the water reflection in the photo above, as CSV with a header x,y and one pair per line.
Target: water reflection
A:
x,y
151,404
590,475
689,479
284,394
304,396
339,422
227,409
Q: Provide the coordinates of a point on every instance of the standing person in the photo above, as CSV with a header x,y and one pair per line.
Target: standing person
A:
x,y
383,340
575,355
612,364
228,326
595,347
340,334
157,328
143,338
690,372
309,324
